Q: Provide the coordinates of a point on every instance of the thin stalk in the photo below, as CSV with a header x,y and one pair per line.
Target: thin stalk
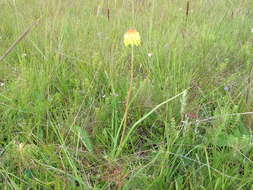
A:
x,y
128,95
249,83
133,13
20,38
135,125
187,9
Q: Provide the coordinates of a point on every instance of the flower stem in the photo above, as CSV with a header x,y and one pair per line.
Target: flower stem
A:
x,y
128,96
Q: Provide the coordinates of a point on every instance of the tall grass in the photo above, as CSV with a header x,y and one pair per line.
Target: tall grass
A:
x,y
63,91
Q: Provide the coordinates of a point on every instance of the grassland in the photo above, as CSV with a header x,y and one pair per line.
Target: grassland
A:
x,y
64,87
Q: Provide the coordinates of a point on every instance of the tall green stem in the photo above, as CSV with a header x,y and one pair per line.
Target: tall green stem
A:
x,y
128,96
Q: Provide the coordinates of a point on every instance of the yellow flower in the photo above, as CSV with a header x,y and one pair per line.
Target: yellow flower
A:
x,y
132,37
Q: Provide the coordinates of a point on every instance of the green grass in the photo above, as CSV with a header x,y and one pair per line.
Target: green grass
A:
x,y
62,104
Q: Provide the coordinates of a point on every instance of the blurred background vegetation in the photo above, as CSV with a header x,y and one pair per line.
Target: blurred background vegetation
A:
x,y
63,91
